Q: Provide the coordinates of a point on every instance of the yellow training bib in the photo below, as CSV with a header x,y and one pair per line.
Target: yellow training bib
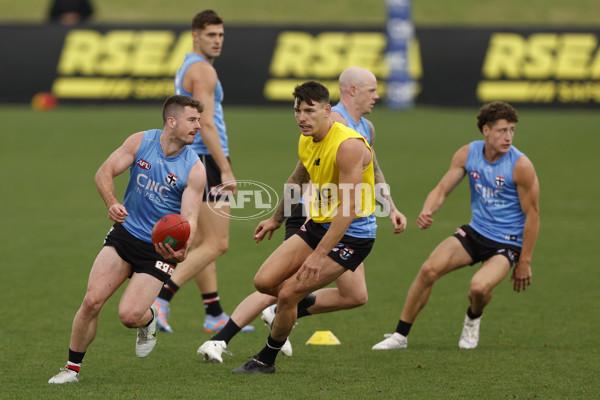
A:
x,y
320,160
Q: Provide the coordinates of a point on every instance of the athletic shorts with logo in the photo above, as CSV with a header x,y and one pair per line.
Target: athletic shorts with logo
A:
x,y
213,179
141,255
349,252
294,222
481,248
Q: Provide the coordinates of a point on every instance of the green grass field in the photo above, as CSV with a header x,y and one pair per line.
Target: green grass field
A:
x,y
331,12
542,343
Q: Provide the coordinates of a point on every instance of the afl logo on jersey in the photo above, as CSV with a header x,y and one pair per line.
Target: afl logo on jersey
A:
x,y
143,164
475,175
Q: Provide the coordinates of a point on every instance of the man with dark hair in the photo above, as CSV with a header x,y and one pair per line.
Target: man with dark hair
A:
x,y
197,78
175,105
503,228
341,232
205,18
165,177
358,94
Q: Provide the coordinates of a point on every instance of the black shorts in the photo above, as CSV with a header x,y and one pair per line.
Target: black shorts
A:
x,y
141,255
481,248
349,252
213,178
294,221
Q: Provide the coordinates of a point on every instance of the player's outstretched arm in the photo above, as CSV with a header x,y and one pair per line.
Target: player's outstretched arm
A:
x,y
449,181
204,81
299,178
396,217
115,164
528,188
266,226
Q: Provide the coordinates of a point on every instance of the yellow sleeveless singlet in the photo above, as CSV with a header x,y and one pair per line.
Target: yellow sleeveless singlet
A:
x,y
319,159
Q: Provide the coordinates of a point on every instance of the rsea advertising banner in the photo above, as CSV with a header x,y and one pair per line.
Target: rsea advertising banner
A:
x,y
261,65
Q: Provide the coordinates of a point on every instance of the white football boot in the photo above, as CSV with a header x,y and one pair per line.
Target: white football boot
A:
x,y
469,337
146,336
211,350
65,375
392,341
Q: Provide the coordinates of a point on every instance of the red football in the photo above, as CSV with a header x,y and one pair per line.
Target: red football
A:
x,y
172,229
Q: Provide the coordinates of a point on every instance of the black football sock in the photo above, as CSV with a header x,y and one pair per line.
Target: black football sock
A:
x,y
270,351
212,305
228,332
75,360
403,328
168,290
472,315
305,304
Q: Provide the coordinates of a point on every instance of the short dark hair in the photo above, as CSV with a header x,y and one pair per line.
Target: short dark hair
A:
x,y
204,18
175,104
491,112
311,91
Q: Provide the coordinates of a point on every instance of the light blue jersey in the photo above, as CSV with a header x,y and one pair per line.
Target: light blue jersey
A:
x,y
199,147
365,227
156,184
495,207
362,127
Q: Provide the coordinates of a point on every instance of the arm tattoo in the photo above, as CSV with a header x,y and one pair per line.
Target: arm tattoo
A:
x,y
299,177
380,180
278,214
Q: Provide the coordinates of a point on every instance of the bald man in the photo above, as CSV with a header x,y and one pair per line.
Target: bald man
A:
x,y
358,94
